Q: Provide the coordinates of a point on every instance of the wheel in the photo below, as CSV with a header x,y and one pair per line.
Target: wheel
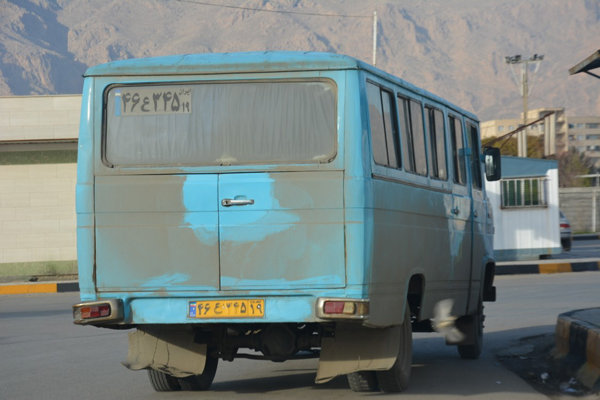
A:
x,y
472,327
363,381
396,378
202,381
162,382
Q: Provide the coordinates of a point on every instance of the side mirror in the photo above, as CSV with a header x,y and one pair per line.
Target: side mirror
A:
x,y
493,166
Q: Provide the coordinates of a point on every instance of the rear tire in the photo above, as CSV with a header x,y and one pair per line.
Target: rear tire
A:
x,y
363,381
472,326
396,379
202,381
162,382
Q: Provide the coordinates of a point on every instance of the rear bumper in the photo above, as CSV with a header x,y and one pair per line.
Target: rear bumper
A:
x,y
175,310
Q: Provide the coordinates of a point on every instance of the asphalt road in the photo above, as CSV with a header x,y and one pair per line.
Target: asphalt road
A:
x,y
581,249
44,356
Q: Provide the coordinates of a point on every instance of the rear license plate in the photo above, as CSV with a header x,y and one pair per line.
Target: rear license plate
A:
x,y
237,308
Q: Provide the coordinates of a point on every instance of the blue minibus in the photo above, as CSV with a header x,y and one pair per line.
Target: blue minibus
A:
x,y
275,206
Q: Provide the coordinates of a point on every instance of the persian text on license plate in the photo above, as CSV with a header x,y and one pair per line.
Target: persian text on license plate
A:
x,y
236,308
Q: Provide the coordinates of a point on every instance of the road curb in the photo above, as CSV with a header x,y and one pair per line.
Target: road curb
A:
x,y
546,268
38,287
580,339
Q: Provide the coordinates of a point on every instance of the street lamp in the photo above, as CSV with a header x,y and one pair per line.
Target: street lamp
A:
x,y
518,59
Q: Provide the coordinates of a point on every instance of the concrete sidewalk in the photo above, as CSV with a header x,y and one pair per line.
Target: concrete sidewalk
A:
x,y
578,343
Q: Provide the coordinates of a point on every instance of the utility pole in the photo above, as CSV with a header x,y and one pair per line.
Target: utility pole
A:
x,y
517,59
374,37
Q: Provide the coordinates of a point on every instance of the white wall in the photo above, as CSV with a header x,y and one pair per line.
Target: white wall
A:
x,y
37,201
37,213
39,117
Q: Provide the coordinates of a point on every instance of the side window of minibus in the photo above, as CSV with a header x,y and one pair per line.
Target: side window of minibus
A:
x,y
410,115
437,143
473,138
458,150
384,136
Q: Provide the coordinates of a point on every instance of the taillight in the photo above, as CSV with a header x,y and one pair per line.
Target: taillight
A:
x,y
342,308
338,307
95,311
565,226
98,311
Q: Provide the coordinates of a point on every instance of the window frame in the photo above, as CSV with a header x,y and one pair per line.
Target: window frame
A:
x,y
434,150
514,192
475,157
186,82
388,139
407,136
459,170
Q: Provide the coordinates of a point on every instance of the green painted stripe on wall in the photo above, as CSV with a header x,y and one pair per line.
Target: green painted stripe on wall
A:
x,y
38,157
68,267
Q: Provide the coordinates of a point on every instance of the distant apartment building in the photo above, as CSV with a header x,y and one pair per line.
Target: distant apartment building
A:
x,y
584,135
551,123
561,132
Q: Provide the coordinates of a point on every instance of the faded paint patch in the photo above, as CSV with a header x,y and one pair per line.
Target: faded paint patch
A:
x,y
199,195
149,236
315,282
166,280
261,189
291,236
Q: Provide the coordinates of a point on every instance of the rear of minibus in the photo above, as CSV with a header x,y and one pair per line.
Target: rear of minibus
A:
x,y
211,189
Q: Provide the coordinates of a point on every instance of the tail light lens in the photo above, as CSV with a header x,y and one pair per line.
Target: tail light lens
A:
x,y
343,308
98,311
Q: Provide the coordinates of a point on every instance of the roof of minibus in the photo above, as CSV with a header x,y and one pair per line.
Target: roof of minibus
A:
x,y
210,63
266,61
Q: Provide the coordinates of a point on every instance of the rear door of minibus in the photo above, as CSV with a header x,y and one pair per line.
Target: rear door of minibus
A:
x,y
235,185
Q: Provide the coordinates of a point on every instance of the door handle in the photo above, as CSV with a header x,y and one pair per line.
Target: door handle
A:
x,y
455,211
236,202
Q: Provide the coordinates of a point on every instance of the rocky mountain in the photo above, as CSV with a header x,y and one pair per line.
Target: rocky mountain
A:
x,y
454,48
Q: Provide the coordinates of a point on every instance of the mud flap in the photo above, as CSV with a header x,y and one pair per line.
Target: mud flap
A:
x,y
356,348
171,351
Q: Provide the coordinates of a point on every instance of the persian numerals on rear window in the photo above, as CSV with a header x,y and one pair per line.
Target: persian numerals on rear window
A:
x,y
152,100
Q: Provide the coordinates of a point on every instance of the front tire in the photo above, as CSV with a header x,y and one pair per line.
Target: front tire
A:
x,y
396,379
